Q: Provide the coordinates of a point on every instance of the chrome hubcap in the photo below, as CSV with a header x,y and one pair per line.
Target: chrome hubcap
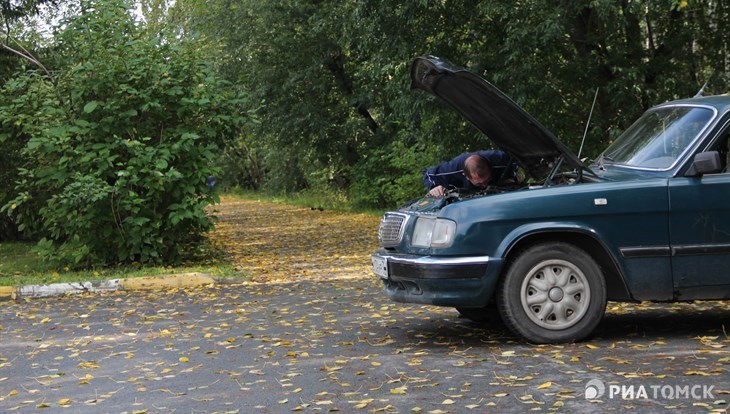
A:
x,y
556,294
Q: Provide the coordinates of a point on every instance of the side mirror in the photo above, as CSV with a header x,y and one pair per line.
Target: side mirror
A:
x,y
705,163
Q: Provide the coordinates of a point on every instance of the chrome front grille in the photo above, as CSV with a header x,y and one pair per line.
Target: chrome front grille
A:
x,y
391,230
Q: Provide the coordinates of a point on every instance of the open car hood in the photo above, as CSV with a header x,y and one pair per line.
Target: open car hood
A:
x,y
512,129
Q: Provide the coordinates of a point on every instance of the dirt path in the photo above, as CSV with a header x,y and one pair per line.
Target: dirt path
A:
x,y
273,241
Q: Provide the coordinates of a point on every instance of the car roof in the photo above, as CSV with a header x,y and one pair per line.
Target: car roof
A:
x,y
720,102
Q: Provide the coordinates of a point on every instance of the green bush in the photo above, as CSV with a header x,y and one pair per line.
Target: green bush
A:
x,y
123,140
391,175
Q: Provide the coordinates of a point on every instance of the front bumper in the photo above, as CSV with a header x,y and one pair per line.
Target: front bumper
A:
x,y
443,281
430,267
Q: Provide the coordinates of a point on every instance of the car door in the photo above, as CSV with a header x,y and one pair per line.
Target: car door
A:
x,y
700,231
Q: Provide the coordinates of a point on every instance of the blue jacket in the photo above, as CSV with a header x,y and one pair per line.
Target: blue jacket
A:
x,y
450,174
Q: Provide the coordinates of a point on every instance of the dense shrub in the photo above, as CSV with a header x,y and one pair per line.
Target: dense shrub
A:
x,y
123,140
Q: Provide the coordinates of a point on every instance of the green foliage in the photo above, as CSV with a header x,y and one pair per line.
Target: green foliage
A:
x,y
121,144
330,79
16,36
328,83
330,98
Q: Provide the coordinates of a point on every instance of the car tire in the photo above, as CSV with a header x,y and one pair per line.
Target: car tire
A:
x,y
552,292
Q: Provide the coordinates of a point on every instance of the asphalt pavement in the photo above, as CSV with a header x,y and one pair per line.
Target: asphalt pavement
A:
x,y
338,345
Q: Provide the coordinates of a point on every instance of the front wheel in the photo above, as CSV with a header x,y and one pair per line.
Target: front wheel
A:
x,y
552,292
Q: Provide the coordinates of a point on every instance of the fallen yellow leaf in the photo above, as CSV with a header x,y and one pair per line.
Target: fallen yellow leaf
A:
x,y
363,403
399,390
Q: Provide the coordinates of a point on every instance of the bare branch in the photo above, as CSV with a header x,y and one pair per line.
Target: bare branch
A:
x,y
21,51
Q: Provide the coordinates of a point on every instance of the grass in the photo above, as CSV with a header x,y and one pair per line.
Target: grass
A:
x,y
20,266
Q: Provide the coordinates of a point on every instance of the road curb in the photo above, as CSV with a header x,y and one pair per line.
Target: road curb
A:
x,y
183,280
160,282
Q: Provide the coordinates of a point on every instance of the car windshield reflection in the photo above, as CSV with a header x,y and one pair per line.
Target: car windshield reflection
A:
x,y
659,138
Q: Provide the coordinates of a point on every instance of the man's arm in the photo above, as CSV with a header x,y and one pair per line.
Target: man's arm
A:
x,y
434,182
448,174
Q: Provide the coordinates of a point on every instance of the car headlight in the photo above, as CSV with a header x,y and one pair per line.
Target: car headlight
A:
x,y
433,232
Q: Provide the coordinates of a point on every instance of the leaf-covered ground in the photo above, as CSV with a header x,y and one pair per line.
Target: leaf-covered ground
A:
x,y
275,241
311,331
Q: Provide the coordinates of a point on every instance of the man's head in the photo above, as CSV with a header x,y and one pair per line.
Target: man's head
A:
x,y
477,170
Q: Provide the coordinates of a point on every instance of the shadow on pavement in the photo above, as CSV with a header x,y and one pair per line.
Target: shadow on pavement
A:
x,y
621,322
668,321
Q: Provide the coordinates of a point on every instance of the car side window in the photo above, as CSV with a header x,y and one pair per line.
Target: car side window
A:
x,y
724,151
722,146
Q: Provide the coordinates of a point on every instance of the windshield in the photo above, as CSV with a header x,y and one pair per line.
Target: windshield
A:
x,y
658,138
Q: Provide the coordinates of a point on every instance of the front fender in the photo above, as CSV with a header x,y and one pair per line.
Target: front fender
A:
x,y
586,238
524,231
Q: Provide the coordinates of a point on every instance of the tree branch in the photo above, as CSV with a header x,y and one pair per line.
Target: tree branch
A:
x,y
335,64
23,53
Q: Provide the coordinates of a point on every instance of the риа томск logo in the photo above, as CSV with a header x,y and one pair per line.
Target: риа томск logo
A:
x,y
595,389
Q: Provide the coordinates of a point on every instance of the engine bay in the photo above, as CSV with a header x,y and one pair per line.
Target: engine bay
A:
x,y
429,203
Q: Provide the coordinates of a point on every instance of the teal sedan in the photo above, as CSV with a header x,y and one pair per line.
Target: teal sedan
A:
x,y
649,220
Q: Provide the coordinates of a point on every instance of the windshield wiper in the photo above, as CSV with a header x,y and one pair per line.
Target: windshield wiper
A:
x,y
600,161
